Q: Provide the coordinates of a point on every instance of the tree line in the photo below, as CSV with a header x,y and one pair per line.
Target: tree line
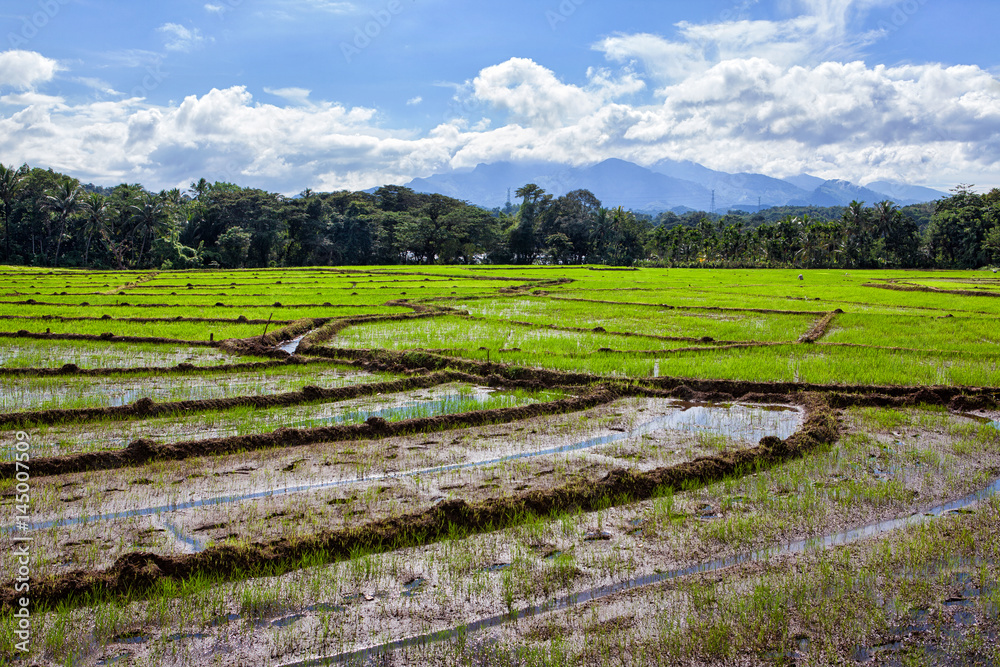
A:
x,y
50,219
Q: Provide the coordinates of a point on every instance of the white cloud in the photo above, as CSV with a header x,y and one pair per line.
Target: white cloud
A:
x,y
414,101
97,84
927,124
299,96
826,31
24,70
215,9
739,95
179,38
533,95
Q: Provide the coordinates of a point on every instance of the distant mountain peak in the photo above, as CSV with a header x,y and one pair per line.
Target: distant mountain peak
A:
x,y
665,185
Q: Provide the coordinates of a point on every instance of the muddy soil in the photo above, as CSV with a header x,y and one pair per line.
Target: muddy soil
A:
x,y
328,609
305,489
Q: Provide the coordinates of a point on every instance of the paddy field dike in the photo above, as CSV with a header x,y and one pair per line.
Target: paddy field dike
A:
x,y
499,466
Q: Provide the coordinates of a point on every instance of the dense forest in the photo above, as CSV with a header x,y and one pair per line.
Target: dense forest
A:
x,y
50,219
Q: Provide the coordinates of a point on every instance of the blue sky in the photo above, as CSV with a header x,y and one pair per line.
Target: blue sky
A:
x,y
332,94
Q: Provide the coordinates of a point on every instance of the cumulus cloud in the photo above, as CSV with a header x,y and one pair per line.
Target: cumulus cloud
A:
x,y
827,30
533,95
923,123
414,101
179,38
738,95
24,70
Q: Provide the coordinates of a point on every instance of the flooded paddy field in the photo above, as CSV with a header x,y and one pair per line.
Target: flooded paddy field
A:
x,y
25,354
42,393
537,466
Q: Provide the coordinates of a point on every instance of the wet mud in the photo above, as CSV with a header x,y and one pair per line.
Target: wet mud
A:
x,y
820,328
143,451
137,573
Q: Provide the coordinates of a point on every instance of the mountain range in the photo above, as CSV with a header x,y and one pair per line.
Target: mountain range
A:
x,y
665,185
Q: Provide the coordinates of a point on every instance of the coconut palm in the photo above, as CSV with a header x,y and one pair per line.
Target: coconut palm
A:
x,y
97,211
199,188
149,216
63,202
11,182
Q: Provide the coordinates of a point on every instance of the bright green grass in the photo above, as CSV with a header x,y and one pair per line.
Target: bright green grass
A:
x,y
958,350
964,333
578,352
194,311
648,320
987,285
838,365
458,333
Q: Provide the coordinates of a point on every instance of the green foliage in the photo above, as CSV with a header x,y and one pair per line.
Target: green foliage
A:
x,y
52,220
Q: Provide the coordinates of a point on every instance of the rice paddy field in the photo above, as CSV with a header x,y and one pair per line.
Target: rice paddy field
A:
x,y
499,466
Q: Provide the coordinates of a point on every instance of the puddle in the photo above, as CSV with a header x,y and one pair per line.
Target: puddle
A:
x,y
860,654
413,587
192,544
867,653
286,621
130,638
292,346
735,421
743,421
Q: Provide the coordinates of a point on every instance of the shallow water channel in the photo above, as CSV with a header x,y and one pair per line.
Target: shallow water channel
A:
x,y
748,423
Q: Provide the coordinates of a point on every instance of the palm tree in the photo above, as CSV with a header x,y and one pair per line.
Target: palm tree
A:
x,y
200,188
857,227
886,216
64,202
97,211
149,216
11,182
